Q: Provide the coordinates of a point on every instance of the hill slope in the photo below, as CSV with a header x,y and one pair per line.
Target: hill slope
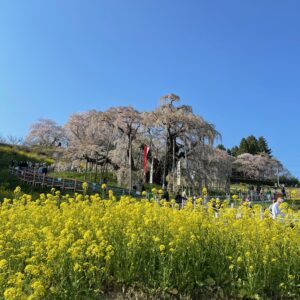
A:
x,y
9,153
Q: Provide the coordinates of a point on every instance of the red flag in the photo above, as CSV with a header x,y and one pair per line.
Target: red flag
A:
x,y
146,149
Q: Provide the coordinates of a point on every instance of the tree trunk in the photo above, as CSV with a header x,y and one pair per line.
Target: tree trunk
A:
x,y
130,165
96,169
101,173
91,170
165,163
86,166
173,164
106,163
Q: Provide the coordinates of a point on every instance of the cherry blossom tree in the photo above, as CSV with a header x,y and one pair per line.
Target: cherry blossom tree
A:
x,y
257,167
45,133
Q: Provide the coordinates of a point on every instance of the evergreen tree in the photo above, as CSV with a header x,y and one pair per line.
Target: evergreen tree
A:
x,y
253,147
221,147
263,146
234,151
244,147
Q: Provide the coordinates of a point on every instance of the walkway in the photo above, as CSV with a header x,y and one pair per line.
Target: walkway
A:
x,y
74,185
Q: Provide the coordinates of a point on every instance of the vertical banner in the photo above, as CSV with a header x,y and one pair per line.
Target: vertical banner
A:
x,y
151,172
145,159
178,173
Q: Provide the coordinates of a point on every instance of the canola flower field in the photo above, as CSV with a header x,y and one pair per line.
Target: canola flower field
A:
x,y
83,247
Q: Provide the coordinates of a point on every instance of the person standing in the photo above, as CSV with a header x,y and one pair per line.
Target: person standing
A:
x,y
283,191
166,195
276,209
178,198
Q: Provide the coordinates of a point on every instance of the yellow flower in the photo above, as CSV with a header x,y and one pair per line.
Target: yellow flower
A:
x,y
239,260
85,186
162,248
3,264
41,243
110,195
32,270
17,190
154,190
294,194
156,239
12,293
282,285
235,197
77,267
103,186
291,277
38,287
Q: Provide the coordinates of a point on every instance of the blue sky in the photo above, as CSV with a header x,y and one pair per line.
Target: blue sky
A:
x,y
236,62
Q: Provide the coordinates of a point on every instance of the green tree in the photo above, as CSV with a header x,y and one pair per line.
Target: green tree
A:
x,y
221,147
263,146
252,145
234,151
244,147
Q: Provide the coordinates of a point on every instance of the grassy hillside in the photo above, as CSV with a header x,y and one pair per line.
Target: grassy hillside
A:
x,y
17,153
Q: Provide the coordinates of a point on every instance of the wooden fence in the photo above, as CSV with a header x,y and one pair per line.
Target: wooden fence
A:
x,y
32,177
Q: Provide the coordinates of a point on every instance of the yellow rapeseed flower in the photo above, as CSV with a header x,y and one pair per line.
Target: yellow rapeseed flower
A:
x,y
162,248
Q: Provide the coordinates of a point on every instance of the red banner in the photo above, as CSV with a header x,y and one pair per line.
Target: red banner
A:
x,y
146,149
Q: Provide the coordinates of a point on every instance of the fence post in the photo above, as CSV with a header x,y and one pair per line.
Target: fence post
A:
x,y
33,182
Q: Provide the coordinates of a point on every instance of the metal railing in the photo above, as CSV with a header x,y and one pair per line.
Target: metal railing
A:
x,y
34,178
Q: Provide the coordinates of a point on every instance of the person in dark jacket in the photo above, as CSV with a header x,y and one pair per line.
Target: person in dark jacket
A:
x,y
178,198
166,195
283,192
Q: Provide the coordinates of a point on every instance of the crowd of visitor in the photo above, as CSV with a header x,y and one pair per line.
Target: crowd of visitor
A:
x,y
260,193
40,168
277,197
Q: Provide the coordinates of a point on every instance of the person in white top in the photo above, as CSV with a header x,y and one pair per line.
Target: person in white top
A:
x,y
276,209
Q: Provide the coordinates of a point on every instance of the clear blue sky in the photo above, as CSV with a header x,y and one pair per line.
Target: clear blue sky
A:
x,y
236,62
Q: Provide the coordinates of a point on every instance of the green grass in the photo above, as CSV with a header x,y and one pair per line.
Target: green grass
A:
x,y
90,176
